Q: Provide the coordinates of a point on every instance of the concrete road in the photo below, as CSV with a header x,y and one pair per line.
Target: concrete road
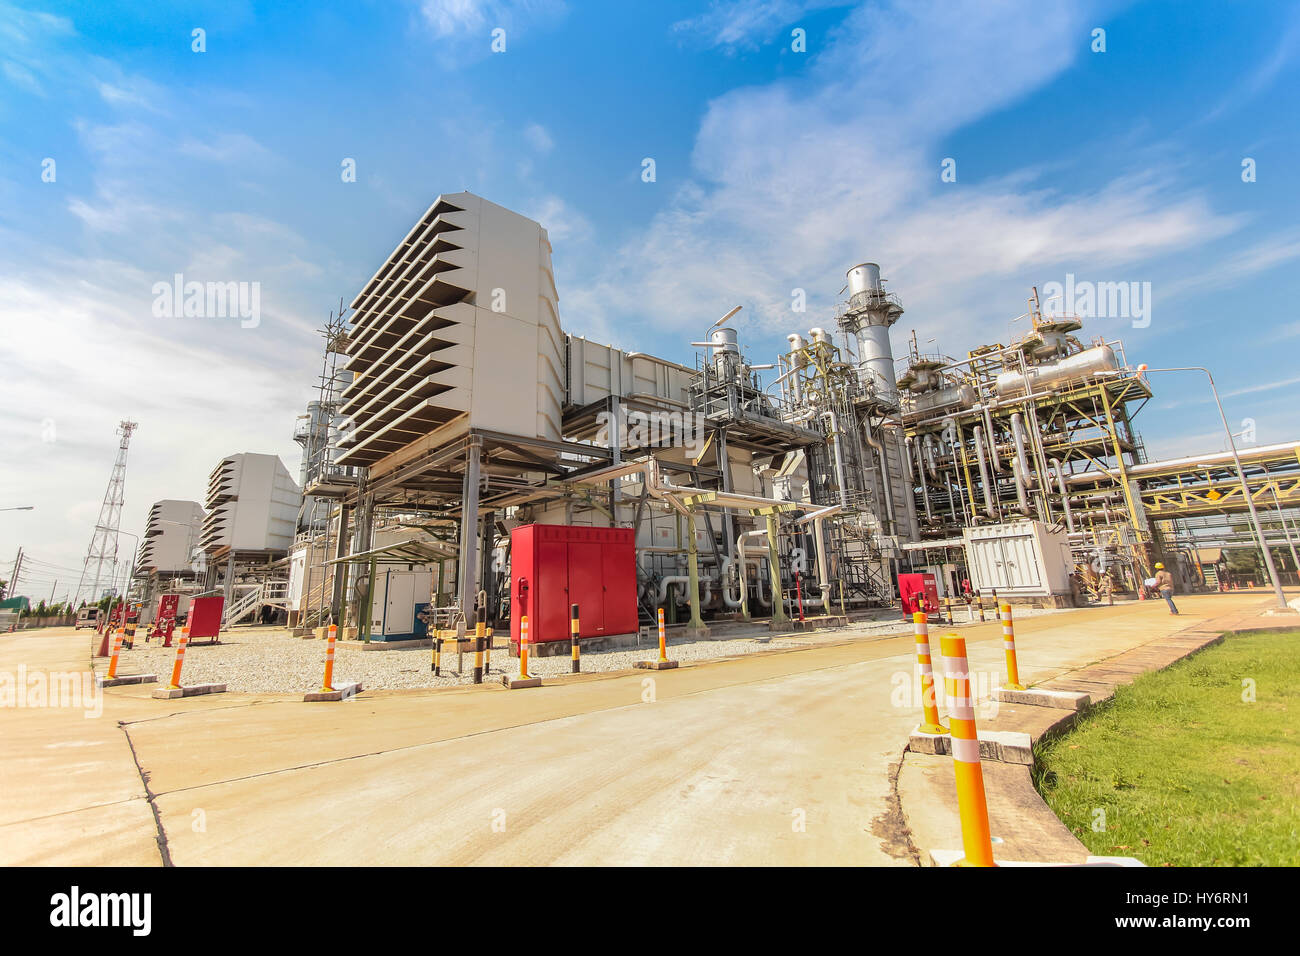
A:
x,y
784,757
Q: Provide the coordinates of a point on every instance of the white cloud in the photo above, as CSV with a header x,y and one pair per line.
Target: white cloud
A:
x,y
561,221
452,18
226,148
748,23
538,138
22,77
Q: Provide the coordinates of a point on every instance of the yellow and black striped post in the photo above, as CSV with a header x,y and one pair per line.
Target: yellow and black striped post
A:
x,y
574,650
479,637
979,599
487,651
130,637
437,653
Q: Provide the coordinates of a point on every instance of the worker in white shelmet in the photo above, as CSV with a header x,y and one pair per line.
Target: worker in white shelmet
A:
x,y
1165,585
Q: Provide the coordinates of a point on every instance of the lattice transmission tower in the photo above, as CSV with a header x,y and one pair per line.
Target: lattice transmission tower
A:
x,y
103,543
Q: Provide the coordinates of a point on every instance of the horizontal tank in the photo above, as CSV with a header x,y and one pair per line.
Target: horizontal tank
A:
x,y
1098,360
963,395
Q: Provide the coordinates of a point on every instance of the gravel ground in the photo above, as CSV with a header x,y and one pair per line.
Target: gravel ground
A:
x,y
270,661
262,661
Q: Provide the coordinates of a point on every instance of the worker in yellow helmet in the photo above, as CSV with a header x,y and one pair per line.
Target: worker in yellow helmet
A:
x,y
1165,585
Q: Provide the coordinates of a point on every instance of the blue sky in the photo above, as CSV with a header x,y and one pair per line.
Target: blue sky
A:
x,y
775,170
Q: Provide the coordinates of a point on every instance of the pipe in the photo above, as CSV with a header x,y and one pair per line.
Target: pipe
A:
x,y
920,470
915,526
817,517
668,581
724,586
1018,433
1021,501
993,451
984,473
744,564
1065,498
882,463
839,458
928,447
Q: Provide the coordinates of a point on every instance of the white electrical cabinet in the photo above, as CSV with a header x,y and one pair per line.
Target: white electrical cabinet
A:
x,y
398,598
1019,558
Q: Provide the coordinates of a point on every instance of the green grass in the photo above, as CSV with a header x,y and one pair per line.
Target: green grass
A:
x,y
1187,772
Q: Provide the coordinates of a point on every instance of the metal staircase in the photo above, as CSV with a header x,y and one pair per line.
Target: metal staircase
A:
x,y
249,599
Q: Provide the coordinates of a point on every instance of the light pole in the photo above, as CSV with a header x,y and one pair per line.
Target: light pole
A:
x,y
22,508
1241,475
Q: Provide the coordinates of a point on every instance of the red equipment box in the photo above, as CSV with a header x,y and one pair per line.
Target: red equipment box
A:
x,y
911,587
205,617
553,566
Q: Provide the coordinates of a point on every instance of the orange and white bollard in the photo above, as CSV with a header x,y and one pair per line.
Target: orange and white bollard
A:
x,y
663,664
327,685
1009,645
929,706
117,648
180,658
972,805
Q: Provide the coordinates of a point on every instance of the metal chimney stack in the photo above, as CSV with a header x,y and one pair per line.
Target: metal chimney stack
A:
x,y
867,315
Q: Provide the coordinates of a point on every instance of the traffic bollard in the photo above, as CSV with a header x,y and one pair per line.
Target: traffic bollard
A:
x,y
972,804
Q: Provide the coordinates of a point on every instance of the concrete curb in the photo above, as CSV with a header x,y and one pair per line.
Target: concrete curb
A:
x,y
125,679
1004,746
194,690
342,692
1043,697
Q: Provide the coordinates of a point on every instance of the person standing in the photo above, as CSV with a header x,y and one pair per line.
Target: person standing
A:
x,y
1165,585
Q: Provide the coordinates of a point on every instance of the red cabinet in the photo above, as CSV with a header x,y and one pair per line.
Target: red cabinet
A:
x,y
553,566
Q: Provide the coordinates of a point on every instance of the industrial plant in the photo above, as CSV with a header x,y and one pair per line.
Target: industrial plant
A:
x,y
469,461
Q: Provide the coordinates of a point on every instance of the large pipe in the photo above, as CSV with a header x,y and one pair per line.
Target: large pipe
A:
x,y
910,478
1021,501
817,517
839,458
1065,498
920,470
1018,433
984,473
996,461
882,462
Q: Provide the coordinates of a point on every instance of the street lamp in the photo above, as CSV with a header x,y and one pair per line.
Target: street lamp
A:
x,y
1241,475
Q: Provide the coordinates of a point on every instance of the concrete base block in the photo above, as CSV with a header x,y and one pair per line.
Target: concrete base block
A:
x,y
1002,746
377,645
655,665
120,680
696,633
194,690
342,692
1041,697
1281,612
951,857
517,683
